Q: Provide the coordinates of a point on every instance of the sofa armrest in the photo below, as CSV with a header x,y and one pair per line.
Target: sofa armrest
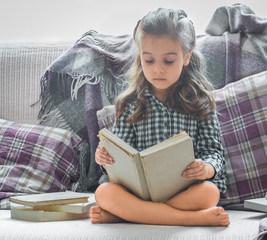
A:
x,y
21,67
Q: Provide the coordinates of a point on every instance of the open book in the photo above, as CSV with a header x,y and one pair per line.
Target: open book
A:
x,y
154,173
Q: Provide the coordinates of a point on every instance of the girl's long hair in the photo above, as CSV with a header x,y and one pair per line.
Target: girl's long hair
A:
x,y
191,93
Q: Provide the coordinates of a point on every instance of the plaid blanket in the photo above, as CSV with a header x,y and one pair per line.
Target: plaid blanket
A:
x,y
235,45
85,78
91,74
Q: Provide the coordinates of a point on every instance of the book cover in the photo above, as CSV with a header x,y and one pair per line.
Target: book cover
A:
x,y
28,214
259,204
154,173
51,198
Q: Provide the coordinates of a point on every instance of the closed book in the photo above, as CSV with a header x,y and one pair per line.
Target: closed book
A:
x,y
28,214
259,204
54,198
154,173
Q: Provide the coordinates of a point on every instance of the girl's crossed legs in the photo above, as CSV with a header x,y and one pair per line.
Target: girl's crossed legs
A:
x,y
196,206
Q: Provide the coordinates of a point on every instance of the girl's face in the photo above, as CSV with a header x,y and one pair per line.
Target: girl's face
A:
x,y
162,60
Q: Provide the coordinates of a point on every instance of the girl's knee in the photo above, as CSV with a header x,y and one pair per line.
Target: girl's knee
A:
x,y
208,194
211,193
106,192
212,188
103,189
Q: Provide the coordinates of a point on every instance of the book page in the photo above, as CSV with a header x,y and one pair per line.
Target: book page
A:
x,y
105,134
71,208
163,169
183,136
127,170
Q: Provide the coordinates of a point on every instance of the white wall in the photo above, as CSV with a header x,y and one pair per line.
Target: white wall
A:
x,y
43,20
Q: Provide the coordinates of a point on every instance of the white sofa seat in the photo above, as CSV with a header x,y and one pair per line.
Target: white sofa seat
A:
x,y
244,225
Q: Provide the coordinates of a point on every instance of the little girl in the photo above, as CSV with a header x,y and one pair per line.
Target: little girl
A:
x,y
168,94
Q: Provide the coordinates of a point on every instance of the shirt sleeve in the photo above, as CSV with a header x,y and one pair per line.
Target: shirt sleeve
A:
x,y
210,149
125,130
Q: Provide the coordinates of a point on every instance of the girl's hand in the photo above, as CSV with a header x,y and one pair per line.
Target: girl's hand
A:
x,y
199,170
102,157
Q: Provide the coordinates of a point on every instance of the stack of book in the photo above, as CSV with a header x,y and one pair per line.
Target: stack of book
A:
x,y
57,206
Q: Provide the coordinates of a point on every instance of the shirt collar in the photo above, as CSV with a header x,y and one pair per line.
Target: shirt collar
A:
x,y
148,92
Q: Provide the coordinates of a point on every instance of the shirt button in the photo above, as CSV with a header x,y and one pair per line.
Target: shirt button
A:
x,y
166,136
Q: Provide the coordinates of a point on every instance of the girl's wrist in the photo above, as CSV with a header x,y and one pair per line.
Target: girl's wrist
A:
x,y
210,171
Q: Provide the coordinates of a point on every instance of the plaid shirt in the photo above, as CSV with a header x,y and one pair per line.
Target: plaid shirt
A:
x,y
164,123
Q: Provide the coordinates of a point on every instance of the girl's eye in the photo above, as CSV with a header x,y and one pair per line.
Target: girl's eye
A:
x,y
149,61
169,62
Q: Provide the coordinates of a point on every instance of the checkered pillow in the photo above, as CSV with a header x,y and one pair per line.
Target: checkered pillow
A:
x,y
36,159
242,112
106,117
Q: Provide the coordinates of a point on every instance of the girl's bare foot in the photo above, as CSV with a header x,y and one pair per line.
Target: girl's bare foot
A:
x,y
215,216
99,215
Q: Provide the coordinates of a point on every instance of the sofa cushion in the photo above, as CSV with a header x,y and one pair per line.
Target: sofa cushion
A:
x,y
242,113
36,159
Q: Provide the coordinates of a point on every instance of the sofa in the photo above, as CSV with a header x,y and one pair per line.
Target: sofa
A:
x,y
55,96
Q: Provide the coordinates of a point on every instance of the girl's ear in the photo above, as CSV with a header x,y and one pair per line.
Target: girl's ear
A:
x,y
187,58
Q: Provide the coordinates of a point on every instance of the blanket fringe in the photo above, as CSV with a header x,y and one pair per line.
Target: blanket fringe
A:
x,y
111,86
55,119
79,82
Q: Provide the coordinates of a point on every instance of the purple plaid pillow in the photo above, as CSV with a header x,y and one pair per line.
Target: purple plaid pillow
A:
x,y
36,159
242,113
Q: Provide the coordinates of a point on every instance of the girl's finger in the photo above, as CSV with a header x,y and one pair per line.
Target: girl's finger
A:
x,y
108,160
198,172
105,158
195,168
102,157
195,164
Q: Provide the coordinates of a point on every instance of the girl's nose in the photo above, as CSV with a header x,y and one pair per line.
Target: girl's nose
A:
x,y
158,68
